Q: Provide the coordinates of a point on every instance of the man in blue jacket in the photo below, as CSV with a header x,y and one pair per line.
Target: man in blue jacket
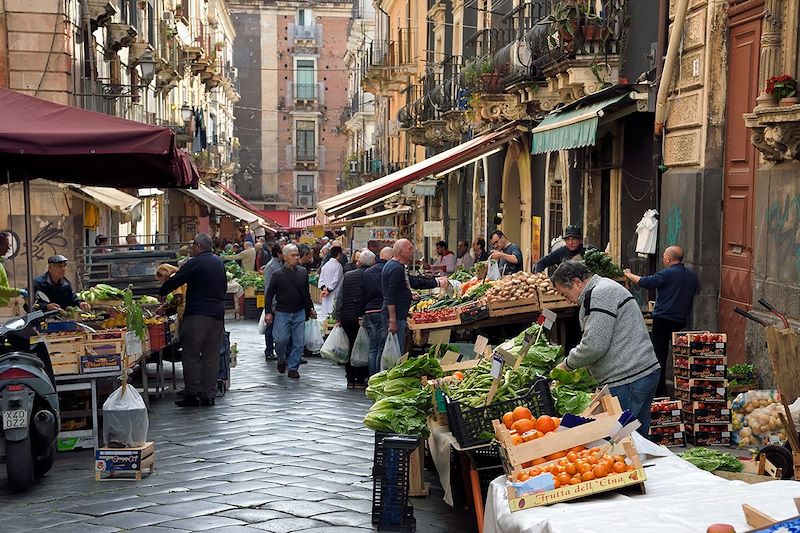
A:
x,y
676,286
203,321
373,303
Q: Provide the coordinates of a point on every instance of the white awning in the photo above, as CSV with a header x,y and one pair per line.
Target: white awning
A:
x,y
110,197
209,197
399,210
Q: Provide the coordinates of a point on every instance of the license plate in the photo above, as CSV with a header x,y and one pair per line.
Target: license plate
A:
x,y
15,419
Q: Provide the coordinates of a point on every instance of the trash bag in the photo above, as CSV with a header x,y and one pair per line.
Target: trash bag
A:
x,y
262,326
391,351
359,357
494,271
336,347
125,421
313,335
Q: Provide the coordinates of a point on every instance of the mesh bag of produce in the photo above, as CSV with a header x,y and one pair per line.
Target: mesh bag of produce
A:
x,y
755,418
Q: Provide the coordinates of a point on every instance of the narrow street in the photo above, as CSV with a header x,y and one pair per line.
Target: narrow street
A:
x,y
274,454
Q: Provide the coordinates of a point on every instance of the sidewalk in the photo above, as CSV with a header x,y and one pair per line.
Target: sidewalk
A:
x,y
274,454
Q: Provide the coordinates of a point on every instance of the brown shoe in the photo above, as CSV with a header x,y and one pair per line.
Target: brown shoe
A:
x,y
282,368
294,374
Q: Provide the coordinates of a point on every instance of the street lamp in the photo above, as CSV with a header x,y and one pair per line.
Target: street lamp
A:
x,y
186,113
147,67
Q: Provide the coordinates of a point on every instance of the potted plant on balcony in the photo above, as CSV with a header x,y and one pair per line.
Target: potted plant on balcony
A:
x,y
490,80
565,16
219,45
784,89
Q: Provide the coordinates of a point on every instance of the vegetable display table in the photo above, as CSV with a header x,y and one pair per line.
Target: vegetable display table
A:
x,y
680,497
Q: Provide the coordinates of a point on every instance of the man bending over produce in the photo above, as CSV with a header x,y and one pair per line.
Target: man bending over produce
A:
x,y
614,347
56,287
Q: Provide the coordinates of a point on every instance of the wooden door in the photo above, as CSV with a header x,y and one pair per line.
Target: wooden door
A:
x,y
741,162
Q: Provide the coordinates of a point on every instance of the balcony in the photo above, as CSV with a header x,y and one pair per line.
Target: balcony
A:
x,y
387,65
305,158
305,36
305,96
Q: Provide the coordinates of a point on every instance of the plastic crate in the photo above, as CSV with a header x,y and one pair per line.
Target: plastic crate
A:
x,y
489,464
158,336
391,510
468,423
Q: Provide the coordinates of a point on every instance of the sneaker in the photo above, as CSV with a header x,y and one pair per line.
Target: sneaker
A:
x,y
188,401
282,368
303,362
294,374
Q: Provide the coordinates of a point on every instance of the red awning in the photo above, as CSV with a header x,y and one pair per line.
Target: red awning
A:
x,y
281,216
436,164
291,219
41,139
272,224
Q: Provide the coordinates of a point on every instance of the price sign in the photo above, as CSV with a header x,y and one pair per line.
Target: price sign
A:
x,y
497,365
449,358
480,345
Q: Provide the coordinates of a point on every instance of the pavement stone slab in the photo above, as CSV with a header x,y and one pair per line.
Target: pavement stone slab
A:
x,y
193,508
301,508
254,516
287,525
346,518
202,523
78,528
130,519
247,499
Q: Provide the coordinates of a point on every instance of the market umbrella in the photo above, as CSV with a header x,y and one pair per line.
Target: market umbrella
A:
x,y
41,139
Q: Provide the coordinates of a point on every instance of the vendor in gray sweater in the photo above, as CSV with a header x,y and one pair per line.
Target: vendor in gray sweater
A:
x,y
614,347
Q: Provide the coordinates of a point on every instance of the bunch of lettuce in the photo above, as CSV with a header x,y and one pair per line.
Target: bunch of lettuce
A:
x,y
417,367
572,391
381,385
405,413
707,459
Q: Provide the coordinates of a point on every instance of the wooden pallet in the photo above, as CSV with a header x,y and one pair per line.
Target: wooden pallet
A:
x,y
107,335
413,326
105,347
554,301
514,307
144,456
66,369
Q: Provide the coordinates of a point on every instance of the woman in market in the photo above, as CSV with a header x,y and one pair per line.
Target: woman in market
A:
x,y
350,313
163,273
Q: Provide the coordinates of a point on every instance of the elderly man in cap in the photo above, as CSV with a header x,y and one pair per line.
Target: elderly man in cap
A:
x,y
573,249
56,287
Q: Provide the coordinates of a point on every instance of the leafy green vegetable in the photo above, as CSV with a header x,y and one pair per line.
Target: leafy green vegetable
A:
x,y
570,401
601,264
572,390
393,387
461,274
707,459
438,350
417,367
405,413
252,279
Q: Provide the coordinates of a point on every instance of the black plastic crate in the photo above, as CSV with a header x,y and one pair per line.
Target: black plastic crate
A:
x,y
468,423
250,311
489,464
391,510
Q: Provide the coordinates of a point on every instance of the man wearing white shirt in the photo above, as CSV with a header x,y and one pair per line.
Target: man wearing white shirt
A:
x,y
446,262
330,281
464,254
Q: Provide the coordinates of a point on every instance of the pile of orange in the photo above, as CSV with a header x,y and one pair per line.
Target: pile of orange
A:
x,y
576,465
525,427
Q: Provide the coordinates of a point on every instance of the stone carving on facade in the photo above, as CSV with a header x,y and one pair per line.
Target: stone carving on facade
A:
x,y
137,50
416,135
456,123
776,132
100,12
119,36
573,79
498,108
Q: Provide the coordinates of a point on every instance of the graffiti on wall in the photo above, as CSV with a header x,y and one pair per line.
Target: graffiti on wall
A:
x,y
51,235
782,222
673,223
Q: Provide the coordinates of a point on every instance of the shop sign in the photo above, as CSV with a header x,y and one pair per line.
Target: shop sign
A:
x,y
433,228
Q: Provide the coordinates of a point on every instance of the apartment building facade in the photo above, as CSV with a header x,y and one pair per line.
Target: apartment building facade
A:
x,y
294,88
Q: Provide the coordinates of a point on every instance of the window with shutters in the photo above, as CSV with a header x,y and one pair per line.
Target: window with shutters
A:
x,y
305,140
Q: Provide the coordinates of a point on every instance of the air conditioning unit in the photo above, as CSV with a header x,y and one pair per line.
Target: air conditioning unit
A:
x,y
353,166
167,16
305,200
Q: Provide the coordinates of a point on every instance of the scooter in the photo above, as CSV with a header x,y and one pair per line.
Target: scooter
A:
x,y
28,402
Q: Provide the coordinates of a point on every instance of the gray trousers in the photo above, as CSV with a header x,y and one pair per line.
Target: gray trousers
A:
x,y
201,338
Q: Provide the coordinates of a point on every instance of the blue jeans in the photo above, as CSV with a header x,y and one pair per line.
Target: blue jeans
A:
x,y
376,329
637,397
402,325
289,334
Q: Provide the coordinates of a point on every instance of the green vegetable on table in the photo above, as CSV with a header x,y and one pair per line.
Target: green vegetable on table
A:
x,y
101,292
461,274
134,319
572,391
601,264
252,279
406,413
439,350
417,367
707,459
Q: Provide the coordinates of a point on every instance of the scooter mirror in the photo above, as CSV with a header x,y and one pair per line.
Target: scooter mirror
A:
x,y
15,324
42,296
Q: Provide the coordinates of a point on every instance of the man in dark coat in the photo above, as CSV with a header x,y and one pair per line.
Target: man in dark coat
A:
x,y
350,312
374,322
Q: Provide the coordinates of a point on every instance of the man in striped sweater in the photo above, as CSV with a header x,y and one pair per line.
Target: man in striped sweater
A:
x,y
615,347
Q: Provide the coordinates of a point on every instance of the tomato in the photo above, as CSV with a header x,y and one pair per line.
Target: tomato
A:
x,y
571,469
600,471
619,467
587,476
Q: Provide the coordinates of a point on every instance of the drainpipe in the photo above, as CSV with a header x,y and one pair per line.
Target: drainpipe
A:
x,y
669,65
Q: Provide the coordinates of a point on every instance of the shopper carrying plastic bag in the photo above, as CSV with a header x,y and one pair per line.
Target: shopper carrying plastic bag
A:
x,y
313,335
391,352
336,347
262,325
359,357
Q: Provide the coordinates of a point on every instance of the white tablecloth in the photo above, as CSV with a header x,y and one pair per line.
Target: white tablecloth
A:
x,y
679,498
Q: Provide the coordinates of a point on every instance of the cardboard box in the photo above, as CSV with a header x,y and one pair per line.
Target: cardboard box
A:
x,y
571,492
91,364
66,444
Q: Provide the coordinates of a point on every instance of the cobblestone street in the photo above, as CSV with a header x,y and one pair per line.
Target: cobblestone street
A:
x,y
274,454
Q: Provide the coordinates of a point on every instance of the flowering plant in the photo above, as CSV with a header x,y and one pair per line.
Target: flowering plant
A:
x,y
782,86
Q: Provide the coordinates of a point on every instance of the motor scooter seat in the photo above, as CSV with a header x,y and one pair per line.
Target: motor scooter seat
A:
x,y
22,357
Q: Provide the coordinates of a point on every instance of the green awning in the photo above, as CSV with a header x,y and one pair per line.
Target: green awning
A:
x,y
570,129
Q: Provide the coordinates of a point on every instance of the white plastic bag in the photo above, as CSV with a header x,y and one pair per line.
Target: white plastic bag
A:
x,y
313,335
125,421
359,357
336,347
494,271
262,326
391,351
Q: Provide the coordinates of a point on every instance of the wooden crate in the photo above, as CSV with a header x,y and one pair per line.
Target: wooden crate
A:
x,y
514,307
106,335
105,347
413,326
250,292
64,359
72,344
554,301
127,463
66,369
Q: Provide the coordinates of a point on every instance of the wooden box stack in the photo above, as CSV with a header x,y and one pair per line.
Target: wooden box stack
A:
x,y
666,426
105,351
701,370
65,349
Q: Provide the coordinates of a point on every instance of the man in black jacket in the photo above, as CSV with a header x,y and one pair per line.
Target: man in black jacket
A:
x,y
56,287
203,320
373,303
350,312
572,249
288,300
